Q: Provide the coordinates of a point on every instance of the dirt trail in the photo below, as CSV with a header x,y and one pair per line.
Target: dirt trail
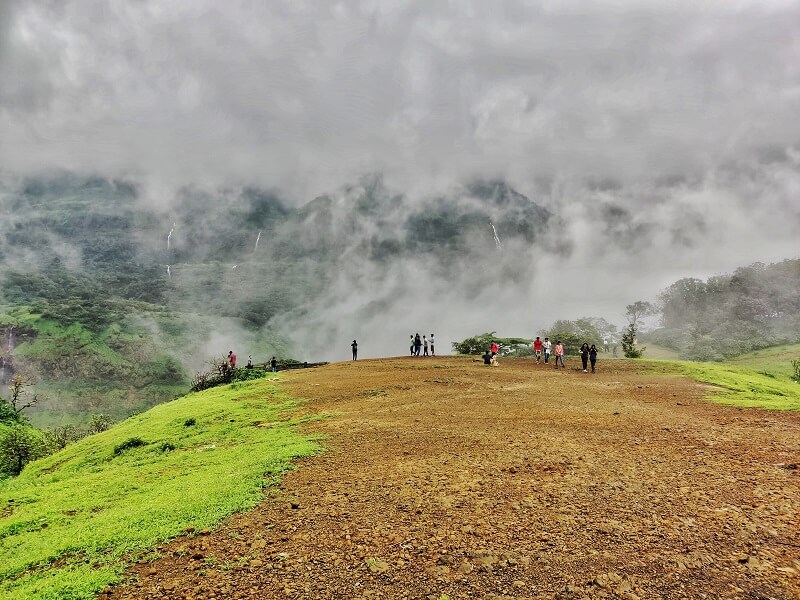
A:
x,y
444,477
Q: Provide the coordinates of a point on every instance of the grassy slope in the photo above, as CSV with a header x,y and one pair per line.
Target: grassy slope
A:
x,y
760,379
655,352
70,522
127,367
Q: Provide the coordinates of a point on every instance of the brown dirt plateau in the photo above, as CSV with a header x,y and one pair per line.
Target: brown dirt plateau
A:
x,y
443,478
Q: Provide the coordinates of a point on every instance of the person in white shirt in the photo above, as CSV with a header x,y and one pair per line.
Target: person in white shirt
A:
x,y
433,351
547,345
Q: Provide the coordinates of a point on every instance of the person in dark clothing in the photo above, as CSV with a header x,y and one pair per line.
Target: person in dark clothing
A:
x,y
433,350
354,346
274,364
487,357
585,356
417,344
593,356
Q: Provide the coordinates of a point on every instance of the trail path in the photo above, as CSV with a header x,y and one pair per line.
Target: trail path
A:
x,y
444,477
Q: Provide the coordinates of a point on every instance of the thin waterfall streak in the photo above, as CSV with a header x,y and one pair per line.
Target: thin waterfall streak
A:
x,y
496,239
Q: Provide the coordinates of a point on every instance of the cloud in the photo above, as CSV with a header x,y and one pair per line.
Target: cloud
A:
x,y
307,97
664,135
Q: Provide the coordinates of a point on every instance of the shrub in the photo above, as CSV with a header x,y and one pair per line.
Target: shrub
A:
x,y
189,422
248,374
57,438
133,442
99,423
19,445
479,344
220,372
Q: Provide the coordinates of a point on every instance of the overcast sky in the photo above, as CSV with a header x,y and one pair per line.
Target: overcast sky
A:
x,y
307,96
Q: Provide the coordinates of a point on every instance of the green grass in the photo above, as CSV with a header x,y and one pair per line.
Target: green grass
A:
x,y
760,379
775,361
652,351
745,387
70,522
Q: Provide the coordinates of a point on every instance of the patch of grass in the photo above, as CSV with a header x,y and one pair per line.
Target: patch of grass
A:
x,y
76,517
745,387
776,360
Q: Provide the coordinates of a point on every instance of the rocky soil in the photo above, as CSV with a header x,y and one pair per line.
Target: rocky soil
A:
x,y
447,479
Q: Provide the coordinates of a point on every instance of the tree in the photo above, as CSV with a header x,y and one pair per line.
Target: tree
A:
x,y
574,333
479,344
20,397
635,313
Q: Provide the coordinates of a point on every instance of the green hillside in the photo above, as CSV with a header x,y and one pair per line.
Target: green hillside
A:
x,y
759,379
71,521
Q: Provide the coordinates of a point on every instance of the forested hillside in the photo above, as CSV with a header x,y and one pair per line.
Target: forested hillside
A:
x,y
754,307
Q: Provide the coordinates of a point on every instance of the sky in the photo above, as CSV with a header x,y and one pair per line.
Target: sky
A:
x,y
683,113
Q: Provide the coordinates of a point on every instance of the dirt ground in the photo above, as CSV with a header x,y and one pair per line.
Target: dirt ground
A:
x,y
447,479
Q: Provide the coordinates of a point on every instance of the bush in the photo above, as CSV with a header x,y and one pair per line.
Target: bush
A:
x,y
57,438
248,374
19,445
480,343
133,442
99,423
220,372
189,422
8,416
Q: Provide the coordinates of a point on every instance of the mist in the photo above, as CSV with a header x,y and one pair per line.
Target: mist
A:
x,y
638,144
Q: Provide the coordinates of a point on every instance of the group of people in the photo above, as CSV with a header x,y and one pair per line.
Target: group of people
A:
x,y
490,356
542,348
273,363
423,344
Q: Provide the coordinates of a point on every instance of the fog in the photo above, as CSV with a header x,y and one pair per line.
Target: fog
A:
x,y
662,137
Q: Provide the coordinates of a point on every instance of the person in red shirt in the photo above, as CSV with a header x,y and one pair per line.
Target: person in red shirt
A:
x,y
232,359
537,349
494,348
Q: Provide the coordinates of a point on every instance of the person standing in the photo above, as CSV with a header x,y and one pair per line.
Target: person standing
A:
x,y
537,349
424,346
354,346
417,344
232,359
585,356
494,348
412,344
274,364
559,352
593,356
605,344
433,350
547,344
